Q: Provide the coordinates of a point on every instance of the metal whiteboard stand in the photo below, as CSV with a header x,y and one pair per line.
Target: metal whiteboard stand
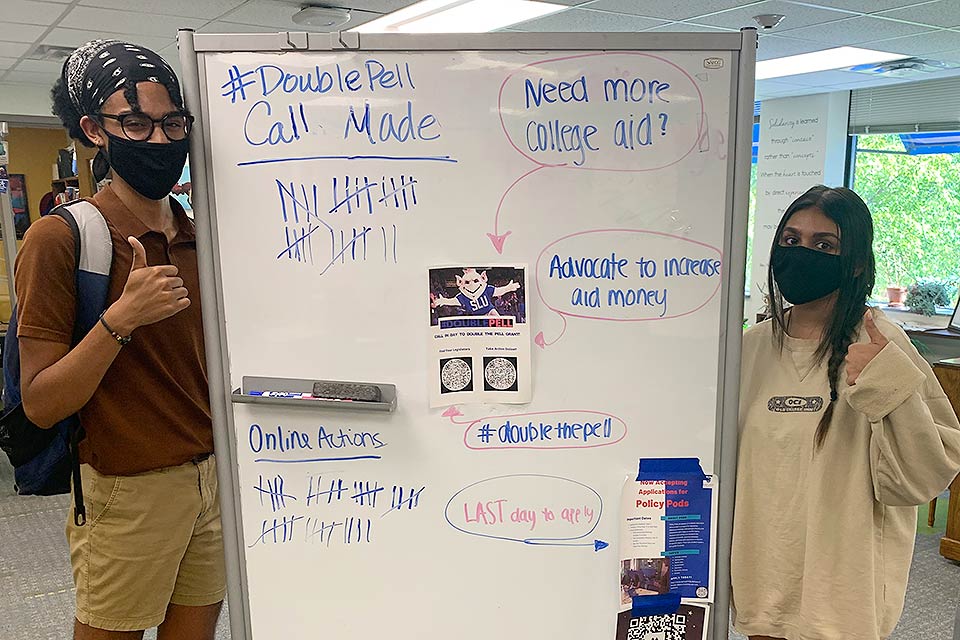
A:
x,y
732,312
215,347
7,224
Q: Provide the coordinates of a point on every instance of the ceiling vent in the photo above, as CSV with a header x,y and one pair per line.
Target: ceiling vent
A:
x,y
51,53
904,67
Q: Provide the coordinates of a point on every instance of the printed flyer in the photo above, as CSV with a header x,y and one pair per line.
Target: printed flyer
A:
x,y
665,533
480,335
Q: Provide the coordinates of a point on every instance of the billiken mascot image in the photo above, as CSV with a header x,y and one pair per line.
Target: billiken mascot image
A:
x,y
476,296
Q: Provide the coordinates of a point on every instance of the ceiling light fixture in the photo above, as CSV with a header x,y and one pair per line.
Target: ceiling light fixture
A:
x,y
459,16
328,18
826,60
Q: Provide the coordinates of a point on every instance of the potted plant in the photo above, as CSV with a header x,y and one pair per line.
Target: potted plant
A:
x,y
926,294
895,295
896,292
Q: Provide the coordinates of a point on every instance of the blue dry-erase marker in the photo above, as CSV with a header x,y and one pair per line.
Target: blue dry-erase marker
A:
x,y
280,394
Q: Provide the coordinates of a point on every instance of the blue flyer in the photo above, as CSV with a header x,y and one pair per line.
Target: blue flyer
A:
x,y
666,536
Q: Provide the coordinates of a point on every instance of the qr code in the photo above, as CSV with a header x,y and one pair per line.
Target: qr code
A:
x,y
668,627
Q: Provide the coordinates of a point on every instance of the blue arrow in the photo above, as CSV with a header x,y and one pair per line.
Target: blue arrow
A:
x,y
596,544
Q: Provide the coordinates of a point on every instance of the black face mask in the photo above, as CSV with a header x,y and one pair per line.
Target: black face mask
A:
x,y
804,275
151,168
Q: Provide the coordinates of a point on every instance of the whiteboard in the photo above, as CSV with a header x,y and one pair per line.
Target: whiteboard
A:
x,y
330,181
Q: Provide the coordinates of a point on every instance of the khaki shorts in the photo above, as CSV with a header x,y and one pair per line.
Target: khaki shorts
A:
x,y
151,539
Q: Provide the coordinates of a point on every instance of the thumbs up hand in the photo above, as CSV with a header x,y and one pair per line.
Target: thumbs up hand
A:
x,y
139,254
151,294
860,354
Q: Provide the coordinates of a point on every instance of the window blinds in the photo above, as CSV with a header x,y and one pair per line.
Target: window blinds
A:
x,y
930,105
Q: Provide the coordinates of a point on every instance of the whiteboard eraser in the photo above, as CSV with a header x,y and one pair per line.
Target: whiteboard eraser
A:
x,y
351,391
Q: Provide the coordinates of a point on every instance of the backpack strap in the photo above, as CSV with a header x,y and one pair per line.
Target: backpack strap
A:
x,y
93,262
94,257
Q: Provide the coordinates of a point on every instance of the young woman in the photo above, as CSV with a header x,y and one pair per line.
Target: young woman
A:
x,y
843,431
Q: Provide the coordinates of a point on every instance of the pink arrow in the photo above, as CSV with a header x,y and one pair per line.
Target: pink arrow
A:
x,y
496,237
498,240
541,342
453,412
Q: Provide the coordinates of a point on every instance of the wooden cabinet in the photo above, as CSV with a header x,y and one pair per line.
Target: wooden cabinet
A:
x,y
948,373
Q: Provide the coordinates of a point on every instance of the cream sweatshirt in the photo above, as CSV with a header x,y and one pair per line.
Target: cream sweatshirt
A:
x,y
822,542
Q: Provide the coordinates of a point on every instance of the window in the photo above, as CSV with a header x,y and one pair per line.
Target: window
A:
x,y
911,182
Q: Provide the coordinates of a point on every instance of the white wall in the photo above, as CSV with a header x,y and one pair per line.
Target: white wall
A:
x,y
24,100
802,143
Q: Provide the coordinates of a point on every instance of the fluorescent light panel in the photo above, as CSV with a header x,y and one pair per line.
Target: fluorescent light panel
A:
x,y
459,16
838,58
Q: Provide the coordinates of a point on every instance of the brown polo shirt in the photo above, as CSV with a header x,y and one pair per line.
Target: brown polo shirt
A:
x,y
152,408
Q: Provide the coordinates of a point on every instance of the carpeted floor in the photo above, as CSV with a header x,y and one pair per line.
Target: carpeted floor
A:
x,y
37,589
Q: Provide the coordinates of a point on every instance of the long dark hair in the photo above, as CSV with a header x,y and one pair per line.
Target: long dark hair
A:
x,y
857,273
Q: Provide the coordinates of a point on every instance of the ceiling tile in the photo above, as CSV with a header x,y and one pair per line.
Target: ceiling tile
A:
x,y
588,21
941,13
686,27
6,63
862,6
282,24
669,10
77,37
870,82
776,85
278,14
13,49
40,66
855,31
29,12
385,6
823,78
27,77
207,9
923,44
127,23
11,32
772,46
949,56
234,27
795,15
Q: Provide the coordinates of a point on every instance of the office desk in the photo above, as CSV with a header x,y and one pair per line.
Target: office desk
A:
x,y
948,373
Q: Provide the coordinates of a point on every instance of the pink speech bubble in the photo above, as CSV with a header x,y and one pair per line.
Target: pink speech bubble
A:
x,y
528,508
568,429
626,275
561,113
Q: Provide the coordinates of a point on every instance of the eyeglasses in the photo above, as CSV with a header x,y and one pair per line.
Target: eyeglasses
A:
x,y
139,126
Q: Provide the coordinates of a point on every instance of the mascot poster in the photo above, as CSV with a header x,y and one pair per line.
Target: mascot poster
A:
x,y
480,335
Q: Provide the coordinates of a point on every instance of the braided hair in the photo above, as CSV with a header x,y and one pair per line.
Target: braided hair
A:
x,y
857,272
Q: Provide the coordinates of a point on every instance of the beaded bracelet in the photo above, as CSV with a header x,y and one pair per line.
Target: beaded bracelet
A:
x,y
122,340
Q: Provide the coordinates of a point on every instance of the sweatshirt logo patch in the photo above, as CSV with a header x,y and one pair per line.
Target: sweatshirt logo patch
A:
x,y
794,404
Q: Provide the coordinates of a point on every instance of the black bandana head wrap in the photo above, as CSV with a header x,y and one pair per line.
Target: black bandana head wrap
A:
x,y
100,68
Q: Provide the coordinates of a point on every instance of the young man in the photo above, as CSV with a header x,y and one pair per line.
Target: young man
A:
x,y
150,553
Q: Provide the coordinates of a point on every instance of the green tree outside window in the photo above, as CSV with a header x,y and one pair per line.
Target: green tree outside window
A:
x,y
915,202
